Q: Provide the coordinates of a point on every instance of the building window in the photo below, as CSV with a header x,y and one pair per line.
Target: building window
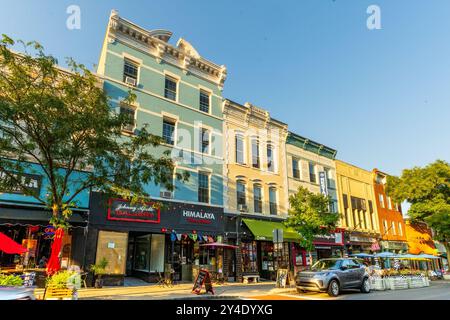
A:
x,y
170,90
129,113
204,101
328,177
204,140
312,172
240,194
203,187
169,131
270,158
273,200
381,199
389,203
239,140
386,228
295,168
249,256
257,198
393,228
255,154
130,72
400,230
371,215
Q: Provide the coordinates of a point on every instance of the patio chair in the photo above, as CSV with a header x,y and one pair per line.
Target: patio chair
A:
x,y
84,278
161,280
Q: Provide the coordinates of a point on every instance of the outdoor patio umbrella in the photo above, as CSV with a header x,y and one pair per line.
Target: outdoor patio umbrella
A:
x,y
54,264
385,255
9,246
218,245
362,255
427,256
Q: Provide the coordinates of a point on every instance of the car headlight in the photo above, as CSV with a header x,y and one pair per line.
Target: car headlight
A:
x,y
318,276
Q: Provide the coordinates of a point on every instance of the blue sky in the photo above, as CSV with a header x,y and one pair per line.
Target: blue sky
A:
x,y
380,97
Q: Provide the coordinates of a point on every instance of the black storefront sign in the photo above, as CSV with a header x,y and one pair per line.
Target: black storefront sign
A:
x,y
156,215
123,210
31,181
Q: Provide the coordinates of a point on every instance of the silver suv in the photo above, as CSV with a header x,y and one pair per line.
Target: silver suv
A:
x,y
333,275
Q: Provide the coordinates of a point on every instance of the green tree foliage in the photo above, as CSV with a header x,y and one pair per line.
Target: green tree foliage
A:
x,y
309,214
427,189
62,121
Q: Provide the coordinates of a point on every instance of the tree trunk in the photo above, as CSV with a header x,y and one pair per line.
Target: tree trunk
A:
x,y
310,258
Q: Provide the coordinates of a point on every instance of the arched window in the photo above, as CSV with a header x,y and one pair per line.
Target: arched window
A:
x,y
257,198
273,200
270,158
239,145
240,194
255,153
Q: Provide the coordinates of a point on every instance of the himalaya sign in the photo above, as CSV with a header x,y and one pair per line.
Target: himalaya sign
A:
x,y
200,217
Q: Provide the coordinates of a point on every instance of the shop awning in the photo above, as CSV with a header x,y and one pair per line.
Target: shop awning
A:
x,y
263,230
9,246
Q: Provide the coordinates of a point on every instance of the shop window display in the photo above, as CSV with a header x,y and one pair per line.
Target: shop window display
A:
x,y
249,256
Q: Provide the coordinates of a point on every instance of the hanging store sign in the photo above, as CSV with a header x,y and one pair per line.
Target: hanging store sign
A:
x,y
323,183
122,210
32,182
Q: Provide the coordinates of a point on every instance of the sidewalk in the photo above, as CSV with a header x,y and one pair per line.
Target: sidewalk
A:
x,y
177,291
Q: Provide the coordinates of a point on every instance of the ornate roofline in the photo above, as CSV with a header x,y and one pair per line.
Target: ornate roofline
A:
x,y
184,55
308,144
252,111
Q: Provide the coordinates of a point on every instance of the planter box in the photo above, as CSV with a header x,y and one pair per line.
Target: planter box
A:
x,y
416,282
377,283
397,283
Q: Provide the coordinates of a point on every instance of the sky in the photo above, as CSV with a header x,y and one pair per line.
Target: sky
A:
x,y
380,97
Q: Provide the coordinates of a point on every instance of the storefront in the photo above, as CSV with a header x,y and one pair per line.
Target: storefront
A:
x,y
145,240
358,242
259,255
394,246
26,221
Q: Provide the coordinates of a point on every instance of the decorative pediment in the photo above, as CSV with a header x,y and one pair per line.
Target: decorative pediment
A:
x,y
155,42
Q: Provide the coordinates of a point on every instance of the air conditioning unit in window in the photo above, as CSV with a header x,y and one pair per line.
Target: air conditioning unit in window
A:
x,y
130,81
166,194
242,208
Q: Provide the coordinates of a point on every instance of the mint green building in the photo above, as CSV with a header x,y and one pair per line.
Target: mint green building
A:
x,y
179,97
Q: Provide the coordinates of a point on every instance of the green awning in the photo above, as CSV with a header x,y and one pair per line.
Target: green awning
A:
x,y
263,230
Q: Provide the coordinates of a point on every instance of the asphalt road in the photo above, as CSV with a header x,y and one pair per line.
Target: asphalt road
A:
x,y
438,290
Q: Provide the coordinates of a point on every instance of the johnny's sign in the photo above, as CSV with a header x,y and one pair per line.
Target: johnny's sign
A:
x,y
123,210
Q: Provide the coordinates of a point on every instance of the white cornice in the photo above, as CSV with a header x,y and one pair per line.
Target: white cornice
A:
x,y
183,56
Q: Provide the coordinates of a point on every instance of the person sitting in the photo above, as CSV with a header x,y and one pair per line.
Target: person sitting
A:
x,y
43,262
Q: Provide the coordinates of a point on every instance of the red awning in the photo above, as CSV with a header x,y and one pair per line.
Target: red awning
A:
x,y
218,245
9,246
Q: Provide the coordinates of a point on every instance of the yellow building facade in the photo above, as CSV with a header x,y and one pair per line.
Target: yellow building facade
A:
x,y
357,207
255,156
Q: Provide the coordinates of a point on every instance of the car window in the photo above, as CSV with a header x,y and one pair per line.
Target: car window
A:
x,y
353,264
326,264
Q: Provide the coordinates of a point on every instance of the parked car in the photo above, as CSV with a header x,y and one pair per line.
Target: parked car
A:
x,y
16,293
333,275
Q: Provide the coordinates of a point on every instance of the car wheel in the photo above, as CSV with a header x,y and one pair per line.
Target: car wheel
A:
x,y
333,288
365,286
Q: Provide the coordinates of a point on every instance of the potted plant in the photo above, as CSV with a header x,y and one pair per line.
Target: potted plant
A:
x,y
99,269
10,281
69,280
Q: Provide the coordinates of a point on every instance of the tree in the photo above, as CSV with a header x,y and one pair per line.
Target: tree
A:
x,y
427,189
310,216
63,122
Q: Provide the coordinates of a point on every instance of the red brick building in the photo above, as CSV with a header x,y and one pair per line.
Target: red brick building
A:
x,y
390,217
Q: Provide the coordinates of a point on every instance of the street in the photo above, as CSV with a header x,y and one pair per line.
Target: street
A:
x,y
438,290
